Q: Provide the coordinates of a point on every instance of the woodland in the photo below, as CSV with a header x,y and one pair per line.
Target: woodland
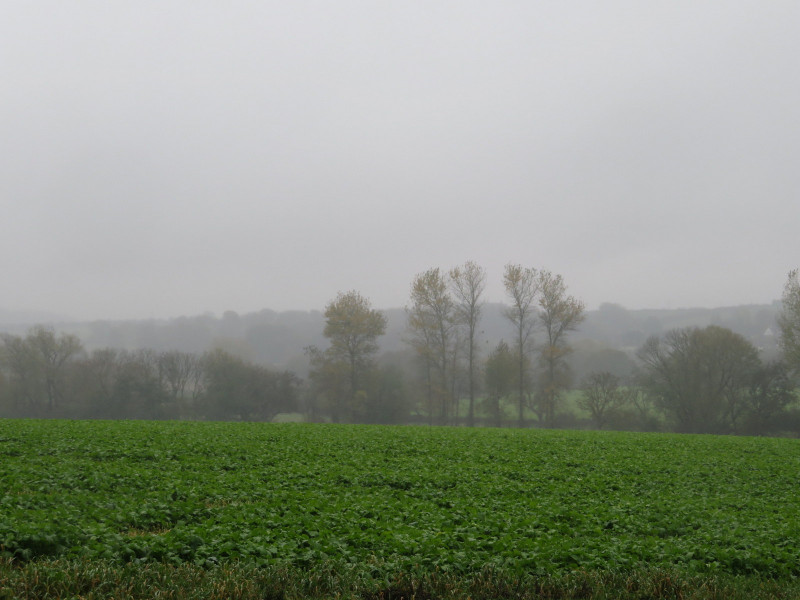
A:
x,y
448,358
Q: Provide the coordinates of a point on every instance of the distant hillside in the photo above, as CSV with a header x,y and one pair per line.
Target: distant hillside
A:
x,y
628,329
278,338
12,320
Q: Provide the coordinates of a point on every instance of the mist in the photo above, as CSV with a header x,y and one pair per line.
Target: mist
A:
x,y
159,160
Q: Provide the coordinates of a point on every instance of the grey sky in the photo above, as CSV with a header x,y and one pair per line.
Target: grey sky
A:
x,y
168,158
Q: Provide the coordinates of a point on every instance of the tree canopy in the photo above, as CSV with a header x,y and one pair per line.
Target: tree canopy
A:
x,y
522,287
700,377
789,322
352,326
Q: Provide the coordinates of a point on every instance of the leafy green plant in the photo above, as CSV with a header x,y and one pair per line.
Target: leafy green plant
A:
x,y
380,501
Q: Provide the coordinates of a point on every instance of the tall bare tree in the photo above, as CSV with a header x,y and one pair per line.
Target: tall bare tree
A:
x,y
560,313
789,322
522,286
468,283
431,322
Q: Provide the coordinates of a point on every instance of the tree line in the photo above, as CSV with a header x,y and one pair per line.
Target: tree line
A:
x,y
443,318
706,379
709,380
45,375
693,379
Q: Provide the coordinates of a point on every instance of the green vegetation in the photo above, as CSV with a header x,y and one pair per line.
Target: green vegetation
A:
x,y
360,509
44,375
688,379
340,374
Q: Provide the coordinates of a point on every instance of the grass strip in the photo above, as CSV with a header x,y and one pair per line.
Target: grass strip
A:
x,y
94,580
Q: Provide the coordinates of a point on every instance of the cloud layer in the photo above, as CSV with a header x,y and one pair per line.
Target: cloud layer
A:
x,y
160,159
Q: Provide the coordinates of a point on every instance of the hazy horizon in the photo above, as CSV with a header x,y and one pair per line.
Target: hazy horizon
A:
x,y
23,317
168,159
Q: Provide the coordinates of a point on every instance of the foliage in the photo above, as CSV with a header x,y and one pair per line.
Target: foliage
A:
x,y
328,386
500,373
432,334
339,373
700,376
388,399
789,321
589,356
602,396
378,502
353,326
137,391
468,283
522,287
116,384
242,390
37,366
559,314
771,391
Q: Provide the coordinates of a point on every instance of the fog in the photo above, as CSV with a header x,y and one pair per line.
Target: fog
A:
x,y
160,159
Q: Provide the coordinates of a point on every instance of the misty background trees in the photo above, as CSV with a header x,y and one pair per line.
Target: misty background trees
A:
x,y
699,377
52,375
447,358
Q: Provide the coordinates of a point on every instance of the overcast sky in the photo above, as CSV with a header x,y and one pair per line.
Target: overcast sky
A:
x,y
166,158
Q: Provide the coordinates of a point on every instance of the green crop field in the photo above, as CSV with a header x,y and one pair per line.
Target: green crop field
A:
x,y
386,503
